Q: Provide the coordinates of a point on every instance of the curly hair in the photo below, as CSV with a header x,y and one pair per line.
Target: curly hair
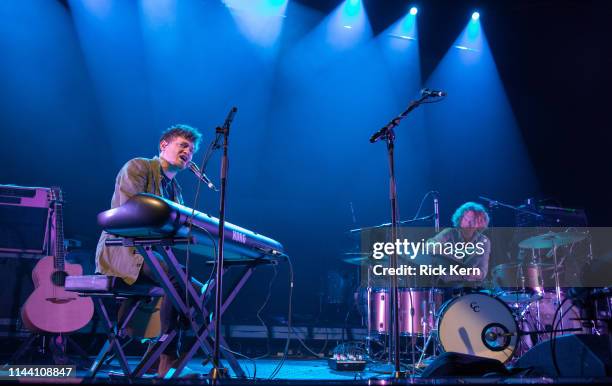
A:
x,y
474,207
185,131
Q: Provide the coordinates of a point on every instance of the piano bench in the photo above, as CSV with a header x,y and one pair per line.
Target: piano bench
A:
x,y
102,285
99,287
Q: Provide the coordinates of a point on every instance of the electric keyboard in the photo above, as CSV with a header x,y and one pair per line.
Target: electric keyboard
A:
x,y
146,215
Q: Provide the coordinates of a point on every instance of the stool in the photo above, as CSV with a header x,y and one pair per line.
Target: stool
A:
x,y
99,287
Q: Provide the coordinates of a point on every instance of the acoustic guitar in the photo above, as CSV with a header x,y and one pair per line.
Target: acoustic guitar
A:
x,y
50,308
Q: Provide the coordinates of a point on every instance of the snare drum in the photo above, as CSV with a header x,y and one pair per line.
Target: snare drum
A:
x,y
480,325
419,302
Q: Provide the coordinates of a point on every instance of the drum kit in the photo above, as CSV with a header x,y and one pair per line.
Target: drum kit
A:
x,y
500,321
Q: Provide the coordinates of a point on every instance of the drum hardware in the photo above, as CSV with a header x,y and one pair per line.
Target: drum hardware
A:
x,y
498,337
553,241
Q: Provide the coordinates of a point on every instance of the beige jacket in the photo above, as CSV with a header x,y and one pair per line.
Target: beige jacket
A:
x,y
138,175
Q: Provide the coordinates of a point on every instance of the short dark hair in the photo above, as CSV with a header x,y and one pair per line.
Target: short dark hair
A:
x,y
185,131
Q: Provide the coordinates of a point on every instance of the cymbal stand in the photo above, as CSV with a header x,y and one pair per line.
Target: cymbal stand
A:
x,y
432,303
431,307
557,285
431,334
369,314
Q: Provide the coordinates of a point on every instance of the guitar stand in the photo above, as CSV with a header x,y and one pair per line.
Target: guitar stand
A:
x,y
195,304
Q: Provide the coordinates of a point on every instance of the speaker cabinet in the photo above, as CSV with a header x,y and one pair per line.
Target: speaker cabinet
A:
x,y
451,364
577,356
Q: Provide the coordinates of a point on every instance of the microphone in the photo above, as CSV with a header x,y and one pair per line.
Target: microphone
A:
x,y
194,168
492,203
491,336
436,213
434,93
230,117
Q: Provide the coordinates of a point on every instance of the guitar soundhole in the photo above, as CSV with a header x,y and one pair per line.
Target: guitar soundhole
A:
x,y
58,278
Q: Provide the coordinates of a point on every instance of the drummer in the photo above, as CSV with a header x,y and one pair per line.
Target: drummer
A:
x,y
469,220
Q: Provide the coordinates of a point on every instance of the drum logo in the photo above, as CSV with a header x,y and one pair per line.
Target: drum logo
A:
x,y
475,307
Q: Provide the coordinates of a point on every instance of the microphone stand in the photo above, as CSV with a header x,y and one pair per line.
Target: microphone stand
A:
x,y
424,218
219,371
387,133
214,145
494,203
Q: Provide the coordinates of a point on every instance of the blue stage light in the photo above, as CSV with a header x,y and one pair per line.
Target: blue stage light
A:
x,y
260,21
347,25
414,11
352,7
475,16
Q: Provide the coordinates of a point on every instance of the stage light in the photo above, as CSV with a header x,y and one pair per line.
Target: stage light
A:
x,y
404,29
259,20
352,7
475,16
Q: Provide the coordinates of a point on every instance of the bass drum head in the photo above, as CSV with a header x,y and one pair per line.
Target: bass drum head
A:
x,y
479,325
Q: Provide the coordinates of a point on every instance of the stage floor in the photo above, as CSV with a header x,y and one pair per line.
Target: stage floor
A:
x,y
317,372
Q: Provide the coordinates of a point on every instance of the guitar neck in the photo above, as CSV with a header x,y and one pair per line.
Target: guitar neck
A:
x,y
58,258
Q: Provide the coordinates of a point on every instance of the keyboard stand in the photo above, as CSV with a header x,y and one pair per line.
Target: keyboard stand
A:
x,y
195,305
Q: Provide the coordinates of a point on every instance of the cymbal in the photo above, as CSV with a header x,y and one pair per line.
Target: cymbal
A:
x,y
355,260
356,254
424,259
551,239
358,258
525,265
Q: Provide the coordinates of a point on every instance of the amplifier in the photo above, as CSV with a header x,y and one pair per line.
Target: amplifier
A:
x,y
24,216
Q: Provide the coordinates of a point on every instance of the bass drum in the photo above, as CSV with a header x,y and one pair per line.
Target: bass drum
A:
x,y
480,325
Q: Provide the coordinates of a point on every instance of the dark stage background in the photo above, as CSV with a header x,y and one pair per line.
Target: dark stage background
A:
x,y
85,86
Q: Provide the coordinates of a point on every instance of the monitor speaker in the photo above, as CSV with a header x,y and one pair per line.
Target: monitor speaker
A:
x,y
576,355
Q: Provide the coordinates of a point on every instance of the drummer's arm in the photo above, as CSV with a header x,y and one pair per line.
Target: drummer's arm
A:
x,y
480,261
442,237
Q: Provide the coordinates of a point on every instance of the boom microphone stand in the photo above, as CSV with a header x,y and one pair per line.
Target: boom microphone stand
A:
x,y
388,134
219,371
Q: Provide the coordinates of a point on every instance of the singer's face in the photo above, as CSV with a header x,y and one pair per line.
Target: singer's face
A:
x,y
177,152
